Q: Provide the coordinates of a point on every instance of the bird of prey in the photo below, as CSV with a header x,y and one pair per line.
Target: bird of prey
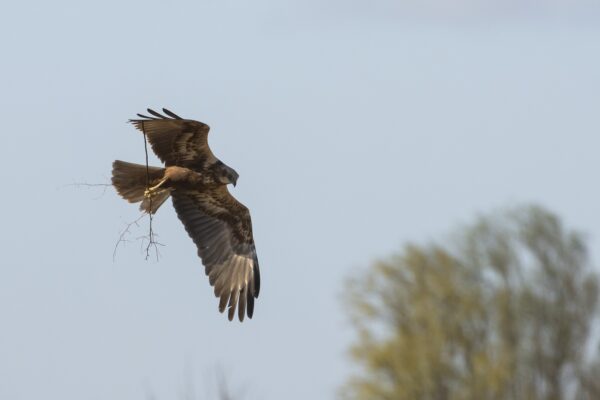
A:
x,y
196,180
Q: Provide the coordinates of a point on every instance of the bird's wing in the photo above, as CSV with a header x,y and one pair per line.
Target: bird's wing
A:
x,y
176,141
222,230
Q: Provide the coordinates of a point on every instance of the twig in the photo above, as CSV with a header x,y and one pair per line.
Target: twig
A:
x,y
89,185
79,184
125,232
151,239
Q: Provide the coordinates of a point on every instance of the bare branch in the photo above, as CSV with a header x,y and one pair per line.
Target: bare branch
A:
x,y
79,185
148,242
124,233
152,243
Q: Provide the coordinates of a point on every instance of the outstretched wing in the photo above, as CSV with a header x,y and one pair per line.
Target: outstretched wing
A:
x,y
176,141
222,230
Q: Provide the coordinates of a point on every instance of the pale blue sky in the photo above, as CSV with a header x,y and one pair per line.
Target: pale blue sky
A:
x,y
355,127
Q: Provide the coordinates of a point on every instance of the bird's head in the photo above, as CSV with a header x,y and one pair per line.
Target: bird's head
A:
x,y
228,175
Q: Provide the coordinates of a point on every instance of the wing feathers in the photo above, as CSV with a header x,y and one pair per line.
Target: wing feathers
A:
x,y
156,114
221,282
228,254
223,301
242,304
233,303
250,306
176,141
145,116
171,114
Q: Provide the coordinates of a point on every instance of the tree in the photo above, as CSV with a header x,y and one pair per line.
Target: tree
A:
x,y
504,310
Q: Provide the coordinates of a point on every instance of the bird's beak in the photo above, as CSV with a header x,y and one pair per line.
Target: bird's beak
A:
x,y
234,183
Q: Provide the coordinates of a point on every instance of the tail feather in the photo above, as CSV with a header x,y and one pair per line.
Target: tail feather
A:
x,y
157,200
131,181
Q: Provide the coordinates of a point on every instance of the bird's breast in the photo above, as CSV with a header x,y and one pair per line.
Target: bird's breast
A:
x,y
185,178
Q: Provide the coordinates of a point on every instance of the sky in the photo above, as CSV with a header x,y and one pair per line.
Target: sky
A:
x,y
355,126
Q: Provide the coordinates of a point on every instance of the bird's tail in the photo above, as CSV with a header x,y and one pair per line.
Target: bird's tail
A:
x,y
131,181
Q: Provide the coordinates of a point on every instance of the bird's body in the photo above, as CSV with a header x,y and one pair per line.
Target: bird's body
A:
x,y
219,225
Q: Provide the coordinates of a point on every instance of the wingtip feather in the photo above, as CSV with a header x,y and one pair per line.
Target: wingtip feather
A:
x,y
171,114
223,302
156,114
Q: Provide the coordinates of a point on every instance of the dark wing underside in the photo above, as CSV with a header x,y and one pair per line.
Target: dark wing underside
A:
x,y
222,230
176,141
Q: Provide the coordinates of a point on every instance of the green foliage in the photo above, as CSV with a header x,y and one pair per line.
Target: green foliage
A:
x,y
504,311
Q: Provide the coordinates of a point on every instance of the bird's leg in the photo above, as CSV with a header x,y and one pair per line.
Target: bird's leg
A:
x,y
152,190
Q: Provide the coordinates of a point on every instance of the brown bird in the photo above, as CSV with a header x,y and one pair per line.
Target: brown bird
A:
x,y
219,225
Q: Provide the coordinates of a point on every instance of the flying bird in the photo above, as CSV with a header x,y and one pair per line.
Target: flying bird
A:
x,y
196,180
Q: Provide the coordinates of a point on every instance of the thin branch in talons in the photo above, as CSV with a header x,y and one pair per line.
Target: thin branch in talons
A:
x,y
79,185
151,243
125,232
148,242
151,236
